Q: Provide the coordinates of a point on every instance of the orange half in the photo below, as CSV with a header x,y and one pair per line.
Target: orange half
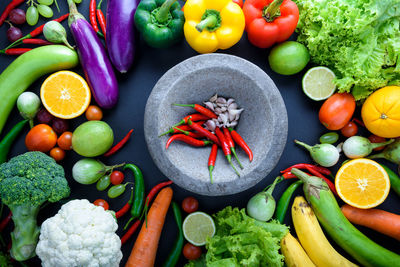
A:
x,y
362,183
65,94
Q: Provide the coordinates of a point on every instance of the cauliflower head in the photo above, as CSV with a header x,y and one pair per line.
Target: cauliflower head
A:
x,y
80,234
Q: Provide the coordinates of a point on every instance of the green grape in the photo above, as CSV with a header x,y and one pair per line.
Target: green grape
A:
x,y
45,11
32,15
329,138
78,1
45,2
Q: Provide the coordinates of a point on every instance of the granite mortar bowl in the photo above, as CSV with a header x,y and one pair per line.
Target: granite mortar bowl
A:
x,y
263,123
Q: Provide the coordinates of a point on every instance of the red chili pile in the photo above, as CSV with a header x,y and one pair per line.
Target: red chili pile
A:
x,y
190,130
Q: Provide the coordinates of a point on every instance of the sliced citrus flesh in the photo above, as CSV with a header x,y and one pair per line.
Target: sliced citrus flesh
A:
x,y
362,183
197,227
318,83
65,94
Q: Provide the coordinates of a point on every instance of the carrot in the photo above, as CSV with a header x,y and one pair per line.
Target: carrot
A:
x,y
145,249
379,220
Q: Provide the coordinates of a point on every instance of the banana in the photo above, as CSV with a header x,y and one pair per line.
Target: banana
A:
x,y
313,239
295,256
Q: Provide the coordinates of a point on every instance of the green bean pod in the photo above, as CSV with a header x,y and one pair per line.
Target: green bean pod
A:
x,y
138,202
176,250
284,201
394,179
27,68
329,214
8,140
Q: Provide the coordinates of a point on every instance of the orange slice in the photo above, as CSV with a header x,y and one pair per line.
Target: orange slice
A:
x,y
65,94
362,183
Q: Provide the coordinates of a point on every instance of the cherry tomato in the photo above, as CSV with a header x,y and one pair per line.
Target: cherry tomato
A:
x,y
191,252
93,113
117,177
101,203
349,130
57,154
377,139
41,138
337,111
190,204
65,141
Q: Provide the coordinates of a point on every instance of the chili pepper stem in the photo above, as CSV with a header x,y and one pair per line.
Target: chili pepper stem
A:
x,y
184,132
210,169
229,158
236,157
184,105
163,12
272,11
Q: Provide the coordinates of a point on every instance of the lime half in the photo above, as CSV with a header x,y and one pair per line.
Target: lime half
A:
x,y
197,227
318,83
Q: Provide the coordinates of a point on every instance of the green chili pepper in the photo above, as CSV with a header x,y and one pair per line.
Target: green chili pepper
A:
x,y
116,190
9,139
284,201
394,179
103,183
138,202
329,138
160,22
176,250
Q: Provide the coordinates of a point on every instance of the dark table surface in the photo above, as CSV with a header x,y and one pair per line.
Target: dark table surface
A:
x,y
135,87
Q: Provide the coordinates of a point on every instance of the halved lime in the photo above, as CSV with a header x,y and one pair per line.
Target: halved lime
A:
x,y
197,227
318,83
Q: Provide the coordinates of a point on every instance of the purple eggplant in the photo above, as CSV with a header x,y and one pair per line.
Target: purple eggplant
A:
x,y
97,67
120,38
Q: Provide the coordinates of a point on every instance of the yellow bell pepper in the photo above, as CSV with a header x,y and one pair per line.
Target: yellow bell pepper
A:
x,y
212,24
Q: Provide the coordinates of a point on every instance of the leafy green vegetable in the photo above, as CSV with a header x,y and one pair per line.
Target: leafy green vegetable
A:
x,y
358,39
242,241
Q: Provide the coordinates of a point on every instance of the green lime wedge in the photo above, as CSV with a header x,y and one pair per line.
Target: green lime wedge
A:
x,y
197,227
318,83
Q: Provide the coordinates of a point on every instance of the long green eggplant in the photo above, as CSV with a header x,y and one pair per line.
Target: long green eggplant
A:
x,y
27,68
328,212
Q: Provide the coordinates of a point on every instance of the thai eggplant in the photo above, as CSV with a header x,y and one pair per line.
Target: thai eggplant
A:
x,y
94,60
391,153
359,147
121,33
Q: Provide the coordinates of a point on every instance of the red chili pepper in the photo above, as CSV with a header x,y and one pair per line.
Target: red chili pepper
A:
x,y
359,122
199,108
5,221
130,232
92,18
239,140
191,134
231,144
211,160
126,207
13,4
225,147
119,145
194,117
188,140
15,51
318,174
207,133
320,169
288,175
153,192
101,18
36,41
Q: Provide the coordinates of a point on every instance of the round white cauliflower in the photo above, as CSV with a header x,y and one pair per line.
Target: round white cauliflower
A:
x,y
80,234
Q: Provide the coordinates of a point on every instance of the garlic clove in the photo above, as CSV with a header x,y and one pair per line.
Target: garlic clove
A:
x,y
221,100
231,116
213,98
230,101
233,106
210,124
233,124
223,109
218,111
209,105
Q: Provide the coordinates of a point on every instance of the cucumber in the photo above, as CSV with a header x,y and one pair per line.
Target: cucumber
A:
x,y
27,68
328,212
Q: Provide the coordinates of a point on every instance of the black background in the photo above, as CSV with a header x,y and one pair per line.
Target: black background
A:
x,y
135,87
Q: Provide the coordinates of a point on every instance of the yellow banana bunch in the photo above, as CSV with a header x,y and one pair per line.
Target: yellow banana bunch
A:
x,y
295,256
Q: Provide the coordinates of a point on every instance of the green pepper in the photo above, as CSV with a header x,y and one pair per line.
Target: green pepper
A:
x,y
9,139
160,22
176,250
394,179
284,201
138,202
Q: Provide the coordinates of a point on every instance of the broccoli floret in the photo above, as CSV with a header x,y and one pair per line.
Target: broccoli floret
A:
x,y
26,182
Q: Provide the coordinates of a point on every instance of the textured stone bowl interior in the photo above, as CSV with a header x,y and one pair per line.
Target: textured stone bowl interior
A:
x,y
263,124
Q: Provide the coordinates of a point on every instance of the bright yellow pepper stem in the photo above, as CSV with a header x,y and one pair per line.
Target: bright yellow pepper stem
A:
x,y
272,11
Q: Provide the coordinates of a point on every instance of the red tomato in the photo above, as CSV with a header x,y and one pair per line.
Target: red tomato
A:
x,y
93,113
337,111
117,177
377,139
190,204
101,203
191,252
41,138
349,130
65,141
57,154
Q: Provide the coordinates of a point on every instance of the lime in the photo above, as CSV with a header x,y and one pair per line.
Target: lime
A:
x,y
288,58
318,83
197,226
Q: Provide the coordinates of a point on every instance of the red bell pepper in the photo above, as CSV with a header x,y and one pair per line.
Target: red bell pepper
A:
x,y
270,21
